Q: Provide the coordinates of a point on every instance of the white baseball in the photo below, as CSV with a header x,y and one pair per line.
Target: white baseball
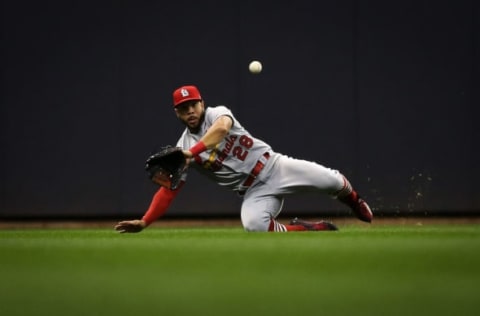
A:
x,y
255,67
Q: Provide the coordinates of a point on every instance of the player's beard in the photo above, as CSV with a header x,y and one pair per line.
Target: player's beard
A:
x,y
196,127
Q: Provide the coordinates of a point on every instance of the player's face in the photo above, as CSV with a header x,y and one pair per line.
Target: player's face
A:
x,y
191,114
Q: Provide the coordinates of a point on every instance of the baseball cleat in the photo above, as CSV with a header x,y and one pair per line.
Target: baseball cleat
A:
x,y
322,225
363,211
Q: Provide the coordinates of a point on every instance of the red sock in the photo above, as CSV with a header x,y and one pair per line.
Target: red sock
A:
x,y
351,199
277,227
292,228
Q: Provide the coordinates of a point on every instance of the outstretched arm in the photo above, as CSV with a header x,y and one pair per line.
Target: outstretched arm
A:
x,y
159,205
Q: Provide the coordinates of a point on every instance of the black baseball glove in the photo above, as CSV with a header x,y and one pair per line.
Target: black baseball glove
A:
x,y
167,164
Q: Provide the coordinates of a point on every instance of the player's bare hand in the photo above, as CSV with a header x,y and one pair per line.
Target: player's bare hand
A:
x,y
187,154
133,226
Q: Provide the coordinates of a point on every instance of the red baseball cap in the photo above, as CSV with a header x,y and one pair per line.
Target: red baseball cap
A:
x,y
185,93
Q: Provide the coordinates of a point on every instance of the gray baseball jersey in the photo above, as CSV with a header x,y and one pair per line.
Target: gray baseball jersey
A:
x,y
233,160
230,163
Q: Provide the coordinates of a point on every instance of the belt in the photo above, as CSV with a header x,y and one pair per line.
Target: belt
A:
x,y
256,170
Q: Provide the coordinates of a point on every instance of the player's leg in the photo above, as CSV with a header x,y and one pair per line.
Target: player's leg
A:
x,y
291,175
350,197
259,213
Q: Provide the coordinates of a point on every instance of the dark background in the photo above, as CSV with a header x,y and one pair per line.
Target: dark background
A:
x,y
385,91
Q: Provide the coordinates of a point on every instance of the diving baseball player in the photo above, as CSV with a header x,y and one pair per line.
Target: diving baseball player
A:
x,y
218,146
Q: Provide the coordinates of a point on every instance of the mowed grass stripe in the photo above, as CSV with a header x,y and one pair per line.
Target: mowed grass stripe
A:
x,y
359,270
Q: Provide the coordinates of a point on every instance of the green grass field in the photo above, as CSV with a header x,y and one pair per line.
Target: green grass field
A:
x,y
359,270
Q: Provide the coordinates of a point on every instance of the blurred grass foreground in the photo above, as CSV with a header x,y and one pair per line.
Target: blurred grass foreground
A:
x,y
359,270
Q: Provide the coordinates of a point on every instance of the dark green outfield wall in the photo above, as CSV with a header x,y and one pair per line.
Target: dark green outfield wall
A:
x,y
385,91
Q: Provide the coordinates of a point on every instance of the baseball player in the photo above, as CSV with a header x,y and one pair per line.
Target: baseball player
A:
x,y
218,146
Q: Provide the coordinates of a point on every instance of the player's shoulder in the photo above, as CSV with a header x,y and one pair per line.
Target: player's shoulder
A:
x,y
218,109
213,113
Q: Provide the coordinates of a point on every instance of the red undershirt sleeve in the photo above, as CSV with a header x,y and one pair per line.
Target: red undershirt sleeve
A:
x,y
160,203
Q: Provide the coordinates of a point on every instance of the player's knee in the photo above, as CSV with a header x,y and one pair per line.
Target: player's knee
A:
x,y
255,225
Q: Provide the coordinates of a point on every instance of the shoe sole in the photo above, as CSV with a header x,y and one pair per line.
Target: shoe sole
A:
x,y
329,226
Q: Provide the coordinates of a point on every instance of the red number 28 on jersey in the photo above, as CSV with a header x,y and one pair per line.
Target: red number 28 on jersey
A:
x,y
241,151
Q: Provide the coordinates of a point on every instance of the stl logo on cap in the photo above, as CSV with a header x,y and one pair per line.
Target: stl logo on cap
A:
x,y
185,93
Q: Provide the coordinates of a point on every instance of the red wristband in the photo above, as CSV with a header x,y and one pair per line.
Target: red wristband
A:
x,y
198,148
